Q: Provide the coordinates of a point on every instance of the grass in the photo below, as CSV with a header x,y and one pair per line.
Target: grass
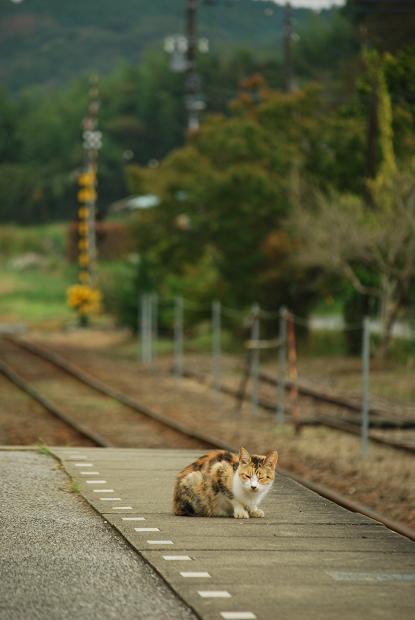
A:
x,y
42,448
35,295
34,291
75,487
46,240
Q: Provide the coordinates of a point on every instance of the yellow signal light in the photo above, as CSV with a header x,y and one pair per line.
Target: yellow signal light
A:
x,y
86,179
84,260
83,228
87,194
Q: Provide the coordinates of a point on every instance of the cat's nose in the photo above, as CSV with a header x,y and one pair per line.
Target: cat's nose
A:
x,y
254,487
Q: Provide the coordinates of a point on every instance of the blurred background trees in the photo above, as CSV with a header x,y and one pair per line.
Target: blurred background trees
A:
x,y
346,133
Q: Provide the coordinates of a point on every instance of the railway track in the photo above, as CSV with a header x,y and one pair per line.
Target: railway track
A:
x,y
130,424
349,423
197,439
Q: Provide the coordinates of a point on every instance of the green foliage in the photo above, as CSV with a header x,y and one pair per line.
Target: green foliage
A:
x,y
375,69
223,195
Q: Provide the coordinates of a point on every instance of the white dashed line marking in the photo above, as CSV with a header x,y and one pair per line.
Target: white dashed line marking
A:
x,y
133,518
214,594
121,507
110,499
89,473
96,482
238,615
160,542
178,558
83,464
103,490
146,529
190,574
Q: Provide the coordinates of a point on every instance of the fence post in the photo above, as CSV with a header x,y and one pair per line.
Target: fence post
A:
x,y
293,372
143,328
139,326
365,386
149,334
178,337
146,329
216,346
255,329
154,325
282,356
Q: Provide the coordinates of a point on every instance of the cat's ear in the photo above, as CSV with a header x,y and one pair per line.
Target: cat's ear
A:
x,y
271,459
244,456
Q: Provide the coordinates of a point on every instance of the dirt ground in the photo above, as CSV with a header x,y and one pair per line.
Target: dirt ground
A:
x,y
383,480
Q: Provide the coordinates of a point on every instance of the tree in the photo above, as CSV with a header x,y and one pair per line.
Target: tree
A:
x,y
225,194
389,25
339,235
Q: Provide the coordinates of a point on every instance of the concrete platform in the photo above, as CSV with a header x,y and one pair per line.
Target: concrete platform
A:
x,y
308,559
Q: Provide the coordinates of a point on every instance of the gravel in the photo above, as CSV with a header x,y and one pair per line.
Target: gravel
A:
x,y
59,559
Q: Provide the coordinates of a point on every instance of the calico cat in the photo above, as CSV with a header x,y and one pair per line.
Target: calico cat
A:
x,y
223,484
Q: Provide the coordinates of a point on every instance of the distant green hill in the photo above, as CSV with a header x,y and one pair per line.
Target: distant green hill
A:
x,y
48,42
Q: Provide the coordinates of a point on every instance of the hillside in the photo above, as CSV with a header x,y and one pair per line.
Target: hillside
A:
x,y
46,43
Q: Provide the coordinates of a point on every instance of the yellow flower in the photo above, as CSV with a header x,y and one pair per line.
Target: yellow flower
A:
x,y
84,299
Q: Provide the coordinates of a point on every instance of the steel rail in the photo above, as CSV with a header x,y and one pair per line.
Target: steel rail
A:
x,y
28,389
341,425
74,371
332,399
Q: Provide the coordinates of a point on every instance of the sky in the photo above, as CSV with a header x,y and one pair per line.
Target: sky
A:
x,y
313,4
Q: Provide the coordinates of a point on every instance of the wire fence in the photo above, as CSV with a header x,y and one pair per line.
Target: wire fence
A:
x,y
253,337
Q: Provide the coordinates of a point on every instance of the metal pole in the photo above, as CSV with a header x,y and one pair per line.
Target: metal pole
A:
x,y
282,357
143,329
149,330
293,371
178,337
193,85
216,346
365,395
255,359
154,322
139,326
287,49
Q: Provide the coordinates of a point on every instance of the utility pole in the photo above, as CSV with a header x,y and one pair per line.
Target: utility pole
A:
x,y
87,195
194,103
287,49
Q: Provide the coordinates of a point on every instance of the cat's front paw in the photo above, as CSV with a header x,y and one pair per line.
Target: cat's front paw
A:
x,y
257,513
240,513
